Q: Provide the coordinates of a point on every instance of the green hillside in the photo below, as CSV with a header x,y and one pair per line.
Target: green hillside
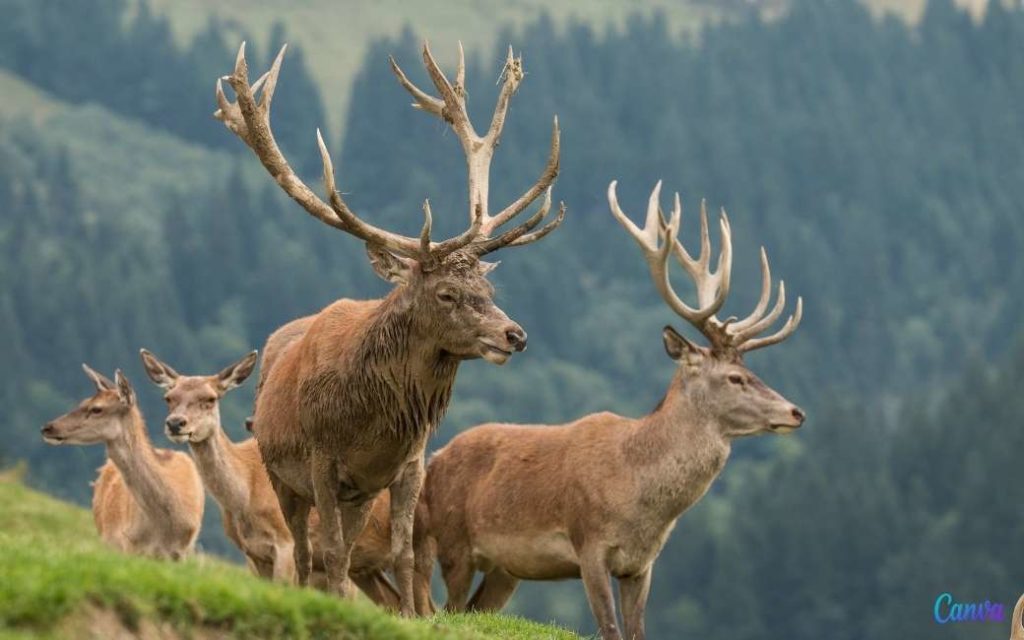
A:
x,y
57,580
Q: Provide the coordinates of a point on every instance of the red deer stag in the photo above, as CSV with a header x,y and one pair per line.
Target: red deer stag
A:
x,y
235,476
146,501
598,497
346,409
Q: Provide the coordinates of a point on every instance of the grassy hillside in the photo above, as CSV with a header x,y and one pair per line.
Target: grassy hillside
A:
x,y
58,580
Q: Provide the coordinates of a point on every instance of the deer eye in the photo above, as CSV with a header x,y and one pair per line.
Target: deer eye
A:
x,y
446,297
735,378
94,411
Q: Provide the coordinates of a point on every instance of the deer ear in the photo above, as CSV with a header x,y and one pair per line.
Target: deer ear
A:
x,y
236,374
677,346
101,381
394,269
124,389
487,267
159,372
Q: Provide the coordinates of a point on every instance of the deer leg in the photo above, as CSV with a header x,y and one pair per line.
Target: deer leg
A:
x,y
283,569
457,570
405,491
353,520
295,509
633,596
425,552
378,588
336,551
494,591
597,582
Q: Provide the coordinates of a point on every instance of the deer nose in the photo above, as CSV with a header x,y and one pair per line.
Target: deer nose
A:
x,y
799,414
516,338
175,424
47,429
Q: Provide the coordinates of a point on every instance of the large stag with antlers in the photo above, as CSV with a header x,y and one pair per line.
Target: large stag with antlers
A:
x,y
346,408
598,497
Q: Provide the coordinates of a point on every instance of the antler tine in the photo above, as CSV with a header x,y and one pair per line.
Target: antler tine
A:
x,y
712,287
460,73
543,231
763,323
544,182
479,150
762,302
787,329
742,333
657,257
249,119
516,233
512,74
424,101
455,109
350,222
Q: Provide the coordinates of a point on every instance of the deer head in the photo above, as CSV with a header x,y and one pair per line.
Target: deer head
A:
x,y
193,402
444,282
100,418
714,378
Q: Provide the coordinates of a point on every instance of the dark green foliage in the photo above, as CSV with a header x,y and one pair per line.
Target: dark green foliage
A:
x,y
89,52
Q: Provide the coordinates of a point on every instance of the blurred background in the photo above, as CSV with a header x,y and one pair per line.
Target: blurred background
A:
x,y
874,148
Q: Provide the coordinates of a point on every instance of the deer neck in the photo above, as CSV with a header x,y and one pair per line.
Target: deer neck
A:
x,y
133,455
402,355
677,451
221,470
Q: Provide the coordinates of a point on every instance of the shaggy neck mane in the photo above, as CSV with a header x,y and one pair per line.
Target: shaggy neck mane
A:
x,y
399,370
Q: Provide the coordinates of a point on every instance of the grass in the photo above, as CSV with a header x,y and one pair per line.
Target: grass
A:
x,y
57,579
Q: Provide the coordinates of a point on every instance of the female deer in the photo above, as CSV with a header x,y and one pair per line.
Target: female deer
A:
x,y
235,476
598,497
146,501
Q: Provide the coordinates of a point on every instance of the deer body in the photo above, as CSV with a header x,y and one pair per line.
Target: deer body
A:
x,y
235,475
348,397
597,498
146,501
509,498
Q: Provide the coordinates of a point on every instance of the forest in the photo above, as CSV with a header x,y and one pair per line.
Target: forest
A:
x,y
880,163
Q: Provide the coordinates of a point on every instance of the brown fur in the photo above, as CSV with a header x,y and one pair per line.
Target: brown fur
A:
x,y
352,393
235,476
594,498
146,501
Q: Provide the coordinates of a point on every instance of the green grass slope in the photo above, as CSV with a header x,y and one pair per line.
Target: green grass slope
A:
x,y
58,580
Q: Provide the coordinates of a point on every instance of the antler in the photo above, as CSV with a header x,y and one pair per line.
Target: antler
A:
x,y
479,150
659,238
250,121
